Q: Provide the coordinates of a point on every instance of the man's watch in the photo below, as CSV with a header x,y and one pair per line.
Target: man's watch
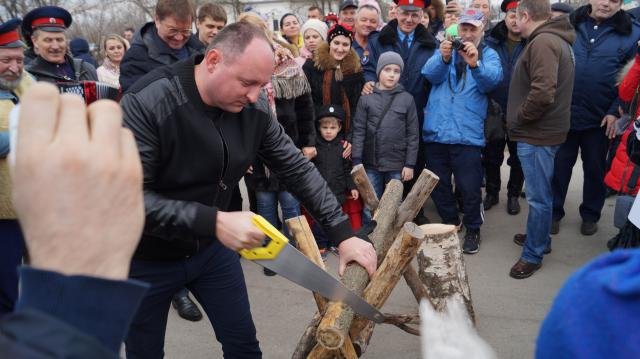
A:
x,y
477,65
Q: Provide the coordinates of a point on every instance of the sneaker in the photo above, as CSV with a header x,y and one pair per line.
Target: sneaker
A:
x,y
588,228
555,227
471,242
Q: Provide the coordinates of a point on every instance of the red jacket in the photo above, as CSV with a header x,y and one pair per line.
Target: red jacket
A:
x,y
628,86
622,168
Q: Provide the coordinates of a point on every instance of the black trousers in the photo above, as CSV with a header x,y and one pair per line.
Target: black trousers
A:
x,y
493,156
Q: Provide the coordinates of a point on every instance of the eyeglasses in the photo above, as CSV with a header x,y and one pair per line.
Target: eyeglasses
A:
x,y
171,31
414,15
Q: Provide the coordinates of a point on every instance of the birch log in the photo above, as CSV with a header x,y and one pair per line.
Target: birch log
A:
x,y
441,267
367,193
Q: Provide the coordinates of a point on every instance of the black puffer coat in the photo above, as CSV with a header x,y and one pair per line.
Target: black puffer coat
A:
x,y
335,169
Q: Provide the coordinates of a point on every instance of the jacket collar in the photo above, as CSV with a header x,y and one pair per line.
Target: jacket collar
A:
x,y
40,66
621,21
185,70
389,36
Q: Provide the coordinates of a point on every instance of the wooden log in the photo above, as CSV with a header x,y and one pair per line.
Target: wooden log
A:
x,y
367,193
308,339
401,253
441,267
301,232
307,244
408,210
414,283
338,317
402,321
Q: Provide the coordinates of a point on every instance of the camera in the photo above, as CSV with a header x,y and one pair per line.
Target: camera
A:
x,y
457,43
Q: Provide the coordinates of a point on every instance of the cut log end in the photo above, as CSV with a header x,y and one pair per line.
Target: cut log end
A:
x,y
330,338
437,229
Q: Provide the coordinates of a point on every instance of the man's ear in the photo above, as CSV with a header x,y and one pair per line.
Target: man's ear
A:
x,y
213,58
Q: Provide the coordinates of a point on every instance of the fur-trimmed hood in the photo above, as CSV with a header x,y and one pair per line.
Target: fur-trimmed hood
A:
x,y
389,35
622,21
323,61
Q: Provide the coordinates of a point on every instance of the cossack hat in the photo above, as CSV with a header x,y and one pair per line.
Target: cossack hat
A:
x,y
330,111
9,35
508,5
412,5
46,18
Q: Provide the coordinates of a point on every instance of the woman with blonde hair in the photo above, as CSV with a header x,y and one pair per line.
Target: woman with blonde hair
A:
x,y
112,49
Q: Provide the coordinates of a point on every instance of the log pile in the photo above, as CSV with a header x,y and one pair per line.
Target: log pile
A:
x,y
335,330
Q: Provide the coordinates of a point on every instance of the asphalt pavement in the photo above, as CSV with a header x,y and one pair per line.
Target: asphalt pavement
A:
x,y
509,311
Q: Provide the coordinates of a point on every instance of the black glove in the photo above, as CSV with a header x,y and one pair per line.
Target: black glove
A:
x,y
364,232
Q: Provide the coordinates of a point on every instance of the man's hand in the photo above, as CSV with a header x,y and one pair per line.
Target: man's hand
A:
x,y
236,230
446,49
360,251
367,89
309,152
470,54
347,149
609,121
407,174
77,184
355,194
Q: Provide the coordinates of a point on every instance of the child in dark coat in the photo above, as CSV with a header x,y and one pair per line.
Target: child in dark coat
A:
x,y
335,169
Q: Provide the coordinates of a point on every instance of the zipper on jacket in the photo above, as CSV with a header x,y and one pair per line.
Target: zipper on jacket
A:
x,y
225,151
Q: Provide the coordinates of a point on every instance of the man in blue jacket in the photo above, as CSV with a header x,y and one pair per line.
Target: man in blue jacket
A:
x,y
606,39
408,37
505,39
454,127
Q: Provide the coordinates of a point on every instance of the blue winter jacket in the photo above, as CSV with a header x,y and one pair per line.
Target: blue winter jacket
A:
x,y
422,48
456,110
496,39
601,50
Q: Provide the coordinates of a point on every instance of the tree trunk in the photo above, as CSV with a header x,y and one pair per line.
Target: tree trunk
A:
x,y
367,193
441,267
337,319
308,339
414,283
401,253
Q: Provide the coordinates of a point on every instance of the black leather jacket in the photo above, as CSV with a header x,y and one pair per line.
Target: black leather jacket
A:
x,y
44,71
194,155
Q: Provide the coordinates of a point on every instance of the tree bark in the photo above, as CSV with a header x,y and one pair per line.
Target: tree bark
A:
x,y
401,253
335,325
367,193
414,283
441,267
307,244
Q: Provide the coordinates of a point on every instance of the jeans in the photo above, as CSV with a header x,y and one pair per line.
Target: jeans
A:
x,y
593,146
537,165
11,251
267,206
215,278
465,163
378,180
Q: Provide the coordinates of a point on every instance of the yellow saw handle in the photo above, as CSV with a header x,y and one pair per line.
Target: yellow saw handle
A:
x,y
271,250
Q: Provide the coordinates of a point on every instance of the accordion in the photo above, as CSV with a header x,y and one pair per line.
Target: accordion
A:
x,y
91,91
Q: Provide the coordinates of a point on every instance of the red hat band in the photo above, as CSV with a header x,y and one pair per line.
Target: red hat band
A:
x,y
416,3
512,5
9,37
47,21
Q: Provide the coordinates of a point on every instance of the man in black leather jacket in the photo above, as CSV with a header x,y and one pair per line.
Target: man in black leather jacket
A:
x,y
199,124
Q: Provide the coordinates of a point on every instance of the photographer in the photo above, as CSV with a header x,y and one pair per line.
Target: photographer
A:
x,y
462,72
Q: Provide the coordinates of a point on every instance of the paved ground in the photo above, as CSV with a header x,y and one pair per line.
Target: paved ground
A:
x,y
509,311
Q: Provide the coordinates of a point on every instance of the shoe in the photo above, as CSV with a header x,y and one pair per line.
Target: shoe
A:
x,y
520,238
513,205
323,254
523,195
186,308
268,272
588,228
471,243
555,227
489,201
523,269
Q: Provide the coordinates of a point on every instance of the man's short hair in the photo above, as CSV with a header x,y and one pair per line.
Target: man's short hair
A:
x,y
538,10
180,9
214,11
130,29
367,7
312,8
234,39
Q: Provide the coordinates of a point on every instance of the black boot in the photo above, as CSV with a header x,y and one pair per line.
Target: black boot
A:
x,y
513,205
186,308
490,200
